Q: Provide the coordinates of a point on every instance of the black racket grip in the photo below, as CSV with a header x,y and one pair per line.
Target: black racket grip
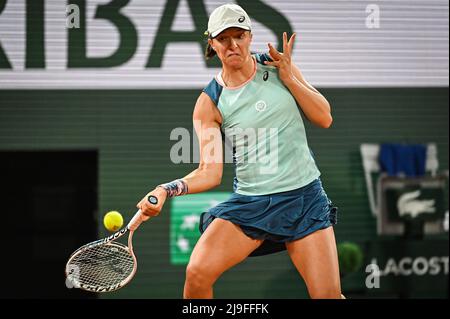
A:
x,y
152,199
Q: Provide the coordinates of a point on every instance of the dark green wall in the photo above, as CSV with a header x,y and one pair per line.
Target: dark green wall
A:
x,y
131,128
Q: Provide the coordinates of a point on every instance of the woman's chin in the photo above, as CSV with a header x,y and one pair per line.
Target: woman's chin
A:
x,y
234,61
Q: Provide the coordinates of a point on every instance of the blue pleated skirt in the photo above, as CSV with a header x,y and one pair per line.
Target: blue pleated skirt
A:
x,y
276,218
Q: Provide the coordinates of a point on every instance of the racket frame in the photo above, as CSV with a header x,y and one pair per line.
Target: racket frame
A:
x,y
105,241
134,223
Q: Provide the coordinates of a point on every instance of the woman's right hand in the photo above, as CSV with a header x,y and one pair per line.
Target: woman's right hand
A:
x,y
150,209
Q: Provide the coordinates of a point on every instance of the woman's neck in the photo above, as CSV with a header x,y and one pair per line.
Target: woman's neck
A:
x,y
233,77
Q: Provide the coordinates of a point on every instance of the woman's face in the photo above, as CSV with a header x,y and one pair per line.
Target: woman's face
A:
x,y
232,46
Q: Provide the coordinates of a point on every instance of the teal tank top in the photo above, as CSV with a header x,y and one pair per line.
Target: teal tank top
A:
x,y
263,127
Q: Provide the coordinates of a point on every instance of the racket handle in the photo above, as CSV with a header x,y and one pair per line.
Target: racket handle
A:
x,y
137,220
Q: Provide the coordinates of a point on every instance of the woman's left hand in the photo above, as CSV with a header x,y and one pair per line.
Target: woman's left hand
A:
x,y
282,60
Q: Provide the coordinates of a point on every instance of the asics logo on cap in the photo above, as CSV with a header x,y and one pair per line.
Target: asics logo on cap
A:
x,y
241,19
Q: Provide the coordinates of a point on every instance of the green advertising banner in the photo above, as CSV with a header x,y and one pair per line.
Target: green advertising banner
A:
x,y
400,268
184,222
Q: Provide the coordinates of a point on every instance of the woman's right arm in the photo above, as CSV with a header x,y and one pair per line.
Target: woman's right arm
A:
x,y
207,121
208,175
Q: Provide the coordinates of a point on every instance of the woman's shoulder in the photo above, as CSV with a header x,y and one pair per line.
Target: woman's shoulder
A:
x,y
213,90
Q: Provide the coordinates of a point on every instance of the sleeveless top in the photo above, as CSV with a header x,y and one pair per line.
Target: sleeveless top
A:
x,y
264,132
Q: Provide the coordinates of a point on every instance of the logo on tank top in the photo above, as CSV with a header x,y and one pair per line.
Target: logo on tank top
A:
x,y
260,106
265,75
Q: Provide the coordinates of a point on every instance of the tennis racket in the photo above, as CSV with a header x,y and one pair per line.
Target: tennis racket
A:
x,y
105,265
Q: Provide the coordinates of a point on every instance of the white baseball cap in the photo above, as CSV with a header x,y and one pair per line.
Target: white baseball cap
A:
x,y
227,16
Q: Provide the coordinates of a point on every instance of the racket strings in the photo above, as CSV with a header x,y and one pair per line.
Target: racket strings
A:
x,y
103,265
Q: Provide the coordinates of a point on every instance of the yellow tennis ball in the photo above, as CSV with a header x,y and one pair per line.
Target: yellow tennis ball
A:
x,y
113,221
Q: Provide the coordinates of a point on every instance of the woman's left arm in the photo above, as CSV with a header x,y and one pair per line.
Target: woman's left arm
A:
x,y
314,105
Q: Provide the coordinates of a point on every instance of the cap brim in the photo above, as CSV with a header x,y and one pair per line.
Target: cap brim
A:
x,y
217,32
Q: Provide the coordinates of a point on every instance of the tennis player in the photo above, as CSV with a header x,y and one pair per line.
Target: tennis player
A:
x,y
278,201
